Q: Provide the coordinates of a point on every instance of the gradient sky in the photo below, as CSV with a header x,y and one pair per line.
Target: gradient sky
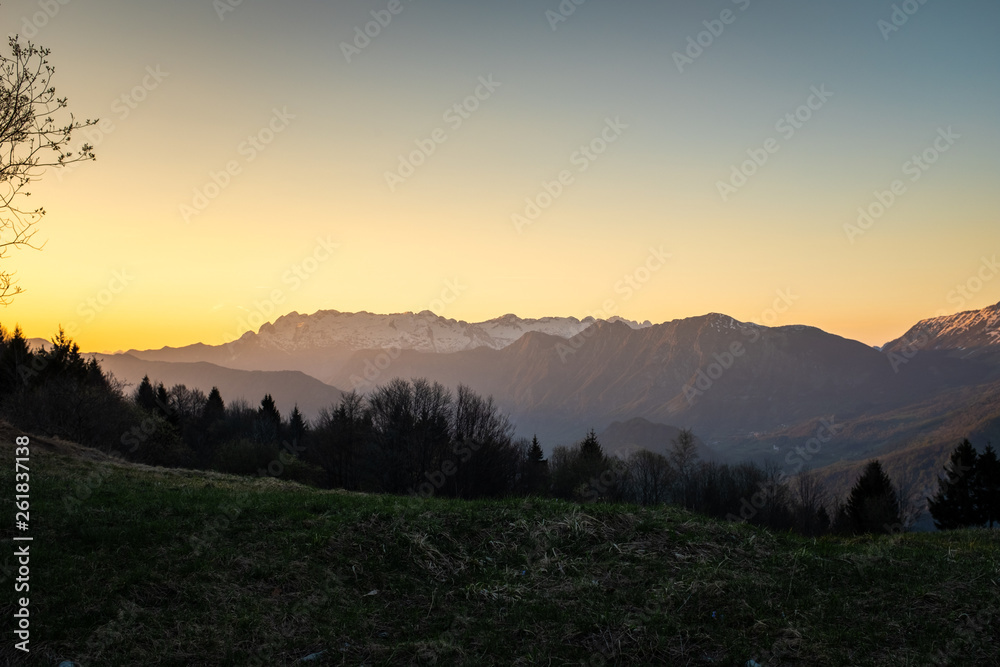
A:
x,y
122,268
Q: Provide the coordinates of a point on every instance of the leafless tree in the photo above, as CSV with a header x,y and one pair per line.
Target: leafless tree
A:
x,y
810,498
31,140
911,496
683,457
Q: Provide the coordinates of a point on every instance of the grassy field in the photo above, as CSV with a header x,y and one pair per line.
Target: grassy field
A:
x,y
142,566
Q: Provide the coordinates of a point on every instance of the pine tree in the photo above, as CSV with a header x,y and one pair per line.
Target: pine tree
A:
x,y
268,420
535,476
63,359
296,426
987,487
214,409
145,396
592,466
163,406
954,504
590,449
873,505
16,363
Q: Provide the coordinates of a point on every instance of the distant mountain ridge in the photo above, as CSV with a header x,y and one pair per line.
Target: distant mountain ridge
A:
x,y
972,331
747,390
289,388
423,331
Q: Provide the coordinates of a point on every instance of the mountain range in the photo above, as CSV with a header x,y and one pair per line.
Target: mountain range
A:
x,y
748,391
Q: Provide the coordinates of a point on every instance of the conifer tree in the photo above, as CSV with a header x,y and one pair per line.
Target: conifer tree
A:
x,y
590,449
987,487
145,396
591,468
16,363
954,504
296,426
163,406
873,505
266,427
534,478
214,409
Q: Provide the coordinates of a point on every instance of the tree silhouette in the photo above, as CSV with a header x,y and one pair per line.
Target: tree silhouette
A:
x,y
214,408
683,457
535,472
987,487
268,422
28,132
592,465
145,395
16,361
873,504
954,504
590,449
296,426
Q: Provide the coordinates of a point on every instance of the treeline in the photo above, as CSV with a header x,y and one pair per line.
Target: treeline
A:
x,y
419,438
969,493
761,495
403,438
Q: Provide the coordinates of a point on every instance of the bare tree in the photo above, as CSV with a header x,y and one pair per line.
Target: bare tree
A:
x,y
810,499
911,496
31,140
650,477
683,457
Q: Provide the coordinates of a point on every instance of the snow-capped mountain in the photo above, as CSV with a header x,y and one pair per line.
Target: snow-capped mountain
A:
x,y
423,331
972,332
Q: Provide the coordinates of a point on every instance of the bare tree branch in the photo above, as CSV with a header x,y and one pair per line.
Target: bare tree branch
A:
x,y
31,141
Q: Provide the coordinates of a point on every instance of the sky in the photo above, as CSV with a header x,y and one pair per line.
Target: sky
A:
x,y
823,163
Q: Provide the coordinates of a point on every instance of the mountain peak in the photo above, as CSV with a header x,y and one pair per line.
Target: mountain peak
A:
x,y
970,331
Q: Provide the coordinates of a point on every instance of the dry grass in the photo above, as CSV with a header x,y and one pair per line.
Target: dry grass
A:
x,y
279,572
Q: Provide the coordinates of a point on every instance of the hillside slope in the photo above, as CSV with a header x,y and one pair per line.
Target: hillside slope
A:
x,y
289,388
133,566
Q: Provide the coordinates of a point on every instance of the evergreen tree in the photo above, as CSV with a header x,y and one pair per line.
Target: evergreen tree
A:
x,y
296,426
62,360
16,363
954,504
163,406
591,468
145,395
268,424
214,408
591,450
987,487
873,504
535,474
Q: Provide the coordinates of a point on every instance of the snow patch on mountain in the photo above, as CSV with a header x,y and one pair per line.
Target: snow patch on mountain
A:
x,y
423,331
969,330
